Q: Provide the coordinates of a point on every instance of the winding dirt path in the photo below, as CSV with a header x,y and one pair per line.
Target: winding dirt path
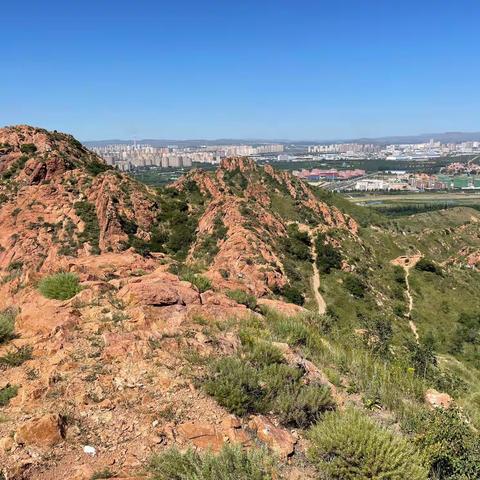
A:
x,y
322,306
407,262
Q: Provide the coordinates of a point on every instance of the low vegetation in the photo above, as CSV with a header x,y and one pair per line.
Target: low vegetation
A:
x,y
243,298
232,463
350,446
202,283
7,325
7,393
60,286
16,356
258,380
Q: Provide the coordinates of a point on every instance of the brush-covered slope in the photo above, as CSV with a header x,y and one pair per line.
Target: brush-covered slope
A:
x,y
134,321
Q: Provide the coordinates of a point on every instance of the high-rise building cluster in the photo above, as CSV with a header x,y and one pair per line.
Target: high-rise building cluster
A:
x,y
128,157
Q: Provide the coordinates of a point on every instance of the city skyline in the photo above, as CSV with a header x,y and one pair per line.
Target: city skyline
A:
x,y
315,70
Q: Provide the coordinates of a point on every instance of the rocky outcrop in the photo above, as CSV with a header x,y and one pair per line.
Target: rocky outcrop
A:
x,y
45,431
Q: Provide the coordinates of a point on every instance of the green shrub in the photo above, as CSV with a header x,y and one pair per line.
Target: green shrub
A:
x,y
259,381
292,295
234,385
451,445
60,286
261,353
28,148
328,258
355,285
7,325
7,393
14,358
349,446
425,265
91,232
232,463
202,283
301,405
244,298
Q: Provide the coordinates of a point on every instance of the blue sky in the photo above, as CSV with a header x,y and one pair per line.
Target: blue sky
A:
x,y
245,69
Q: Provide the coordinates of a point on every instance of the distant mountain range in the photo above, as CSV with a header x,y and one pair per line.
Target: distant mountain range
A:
x,y
447,137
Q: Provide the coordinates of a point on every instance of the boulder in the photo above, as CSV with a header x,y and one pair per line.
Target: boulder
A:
x,y
436,399
45,431
280,440
159,289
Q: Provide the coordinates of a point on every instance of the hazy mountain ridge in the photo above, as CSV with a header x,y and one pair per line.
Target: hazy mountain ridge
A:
x,y
446,137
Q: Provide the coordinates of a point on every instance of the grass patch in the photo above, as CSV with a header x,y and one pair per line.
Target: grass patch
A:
x,y
15,357
232,463
243,298
7,393
202,283
7,325
259,380
60,286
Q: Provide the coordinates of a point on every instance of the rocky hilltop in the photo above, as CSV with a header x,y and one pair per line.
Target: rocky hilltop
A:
x,y
135,319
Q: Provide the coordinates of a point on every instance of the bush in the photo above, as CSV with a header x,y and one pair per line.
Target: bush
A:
x,y
355,286
425,265
451,445
260,381
244,298
301,405
7,393
28,148
292,295
350,446
232,463
328,258
14,358
7,325
234,385
60,286
202,283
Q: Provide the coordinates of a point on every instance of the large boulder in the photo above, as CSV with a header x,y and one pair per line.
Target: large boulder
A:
x,y
45,431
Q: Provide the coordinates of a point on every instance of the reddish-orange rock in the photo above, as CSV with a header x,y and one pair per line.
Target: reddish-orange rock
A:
x,y
437,399
45,431
280,440
202,435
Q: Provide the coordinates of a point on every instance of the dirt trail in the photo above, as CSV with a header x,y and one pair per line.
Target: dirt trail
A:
x,y
322,306
407,262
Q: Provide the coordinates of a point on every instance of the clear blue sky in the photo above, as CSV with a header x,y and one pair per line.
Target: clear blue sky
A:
x,y
258,69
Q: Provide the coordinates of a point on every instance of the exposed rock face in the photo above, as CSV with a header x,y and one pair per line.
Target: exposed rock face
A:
x,y
58,199
438,400
202,435
243,208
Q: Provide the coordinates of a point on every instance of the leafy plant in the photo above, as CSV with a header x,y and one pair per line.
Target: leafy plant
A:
x,y
60,286
451,445
232,463
350,446
7,393
7,325
244,298
202,283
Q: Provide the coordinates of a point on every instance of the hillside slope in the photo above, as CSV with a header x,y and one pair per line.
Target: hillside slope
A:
x,y
133,320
